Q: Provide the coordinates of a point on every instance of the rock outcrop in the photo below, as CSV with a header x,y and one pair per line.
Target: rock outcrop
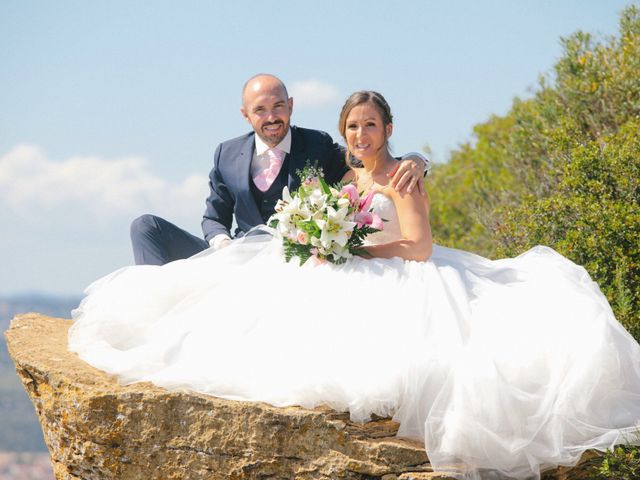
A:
x,y
97,429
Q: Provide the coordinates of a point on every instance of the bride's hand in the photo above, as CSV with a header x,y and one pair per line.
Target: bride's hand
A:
x,y
408,175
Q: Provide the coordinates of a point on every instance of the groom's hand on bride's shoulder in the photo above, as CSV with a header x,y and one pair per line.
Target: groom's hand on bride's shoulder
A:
x,y
409,173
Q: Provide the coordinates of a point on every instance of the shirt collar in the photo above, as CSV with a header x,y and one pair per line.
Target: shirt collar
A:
x,y
284,145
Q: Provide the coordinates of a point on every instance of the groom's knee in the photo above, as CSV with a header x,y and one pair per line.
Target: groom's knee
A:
x,y
149,246
145,226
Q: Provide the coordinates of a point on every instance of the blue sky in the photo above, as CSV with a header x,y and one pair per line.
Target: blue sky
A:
x,y
113,109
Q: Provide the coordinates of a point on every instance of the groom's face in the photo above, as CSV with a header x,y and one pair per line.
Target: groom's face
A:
x,y
268,110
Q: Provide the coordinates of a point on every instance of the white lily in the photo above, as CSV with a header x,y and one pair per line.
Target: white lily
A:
x,y
343,202
335,228
291,214
341,252
317,200
284,201
286,196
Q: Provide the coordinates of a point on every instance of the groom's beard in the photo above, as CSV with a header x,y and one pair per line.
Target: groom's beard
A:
x,y
273,138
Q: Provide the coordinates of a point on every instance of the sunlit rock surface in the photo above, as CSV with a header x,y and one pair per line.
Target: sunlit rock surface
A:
x,y
97,429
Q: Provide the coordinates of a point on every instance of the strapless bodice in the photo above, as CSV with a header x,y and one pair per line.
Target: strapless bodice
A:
x,y
384,207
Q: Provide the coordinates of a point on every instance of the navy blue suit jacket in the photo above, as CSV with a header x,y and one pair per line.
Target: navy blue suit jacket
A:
x,y
230,191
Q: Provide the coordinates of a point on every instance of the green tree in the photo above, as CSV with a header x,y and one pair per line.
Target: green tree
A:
x,y
560,169
465,191
592,217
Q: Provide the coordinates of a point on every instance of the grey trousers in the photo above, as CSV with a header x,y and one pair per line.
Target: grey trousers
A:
x,y
156,241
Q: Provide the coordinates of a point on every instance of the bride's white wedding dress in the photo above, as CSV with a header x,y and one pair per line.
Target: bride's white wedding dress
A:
x,y
503,367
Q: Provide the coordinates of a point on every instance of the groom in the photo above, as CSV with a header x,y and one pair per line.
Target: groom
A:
x,y
249,173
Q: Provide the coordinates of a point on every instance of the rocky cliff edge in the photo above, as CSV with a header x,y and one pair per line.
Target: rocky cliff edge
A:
x,y
97,429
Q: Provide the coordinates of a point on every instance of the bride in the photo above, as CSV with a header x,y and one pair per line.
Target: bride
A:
x,y
503,368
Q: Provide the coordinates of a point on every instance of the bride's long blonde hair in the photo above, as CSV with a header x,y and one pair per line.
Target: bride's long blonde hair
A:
x,y
358,98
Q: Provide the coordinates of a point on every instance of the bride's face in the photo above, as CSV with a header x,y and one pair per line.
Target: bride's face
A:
x,y
365,132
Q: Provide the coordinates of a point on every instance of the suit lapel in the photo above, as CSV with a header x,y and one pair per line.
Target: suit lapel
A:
x,y
297,158
245,197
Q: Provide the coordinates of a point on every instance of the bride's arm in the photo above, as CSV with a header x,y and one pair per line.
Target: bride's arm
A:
x,y
413,215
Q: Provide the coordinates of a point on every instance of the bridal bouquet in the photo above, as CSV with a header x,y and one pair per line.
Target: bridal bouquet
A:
x,y
323,221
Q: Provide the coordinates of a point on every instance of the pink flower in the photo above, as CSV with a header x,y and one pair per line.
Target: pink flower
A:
x,y
312,182
369,219
351,192
377,222
365,202
302,238
363,218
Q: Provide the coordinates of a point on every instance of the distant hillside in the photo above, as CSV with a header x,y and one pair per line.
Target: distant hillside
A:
x,y
51,305
20,430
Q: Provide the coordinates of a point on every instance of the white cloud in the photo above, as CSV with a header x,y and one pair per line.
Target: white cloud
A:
x,y
309,94
33,184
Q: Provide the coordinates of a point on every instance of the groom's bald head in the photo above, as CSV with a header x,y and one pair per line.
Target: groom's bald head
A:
x,y
263,82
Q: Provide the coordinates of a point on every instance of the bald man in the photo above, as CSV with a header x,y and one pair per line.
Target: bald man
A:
x,y
249,173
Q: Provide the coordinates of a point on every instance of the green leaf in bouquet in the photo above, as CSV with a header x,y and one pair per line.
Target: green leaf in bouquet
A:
x,y
310,227
324,186
292,249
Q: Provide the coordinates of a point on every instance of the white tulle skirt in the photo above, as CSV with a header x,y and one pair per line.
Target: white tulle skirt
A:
x,y
502,367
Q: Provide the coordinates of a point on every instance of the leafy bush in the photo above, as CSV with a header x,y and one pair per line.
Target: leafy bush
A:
x,y
561,169
623,463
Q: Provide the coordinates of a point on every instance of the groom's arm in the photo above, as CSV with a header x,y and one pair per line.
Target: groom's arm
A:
x,y
218,214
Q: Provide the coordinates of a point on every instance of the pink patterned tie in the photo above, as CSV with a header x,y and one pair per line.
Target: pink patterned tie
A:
x,y
265,178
